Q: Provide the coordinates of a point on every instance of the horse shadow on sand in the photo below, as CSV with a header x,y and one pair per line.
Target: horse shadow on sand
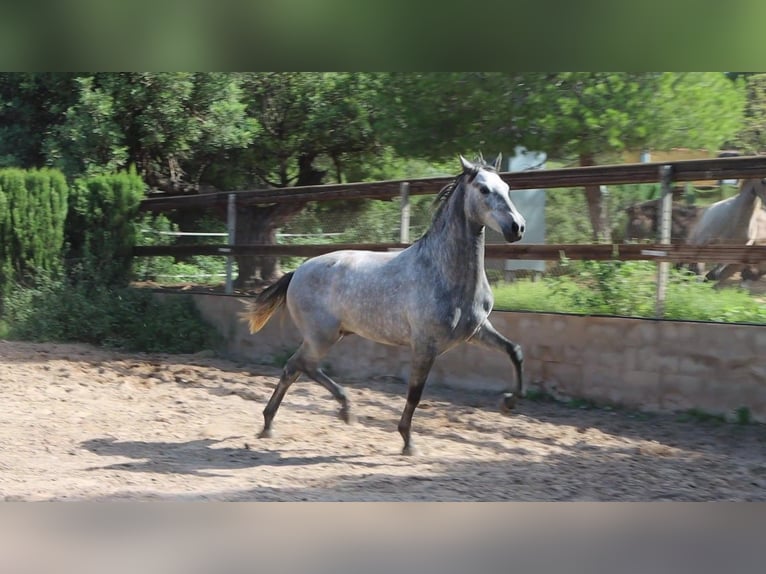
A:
x,y
200,457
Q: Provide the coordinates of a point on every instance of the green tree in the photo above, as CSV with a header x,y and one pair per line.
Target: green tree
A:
x,y
610,112
171,126
311,125
89,140
579,117
436,115
31,104
752,138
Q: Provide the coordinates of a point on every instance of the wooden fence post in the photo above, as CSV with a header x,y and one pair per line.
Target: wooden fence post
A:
x,y
404,225
664,228
231,225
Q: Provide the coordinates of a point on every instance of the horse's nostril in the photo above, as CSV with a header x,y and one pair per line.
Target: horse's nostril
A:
x,y
521,229
514,228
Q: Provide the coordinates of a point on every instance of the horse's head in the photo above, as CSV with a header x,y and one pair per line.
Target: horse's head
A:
x,y
487,201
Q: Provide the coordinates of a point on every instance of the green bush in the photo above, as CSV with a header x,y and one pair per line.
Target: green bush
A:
x,y
126,318
33,208
90,303
588,287
609,288
688,298
101,225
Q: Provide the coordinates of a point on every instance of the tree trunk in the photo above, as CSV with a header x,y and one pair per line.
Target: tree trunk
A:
x,y
259,225
596,206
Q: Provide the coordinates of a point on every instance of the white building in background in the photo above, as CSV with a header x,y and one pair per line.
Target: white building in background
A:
x,y
531,204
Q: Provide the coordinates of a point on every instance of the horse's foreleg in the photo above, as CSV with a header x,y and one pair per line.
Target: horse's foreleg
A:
x,y
489,338
289,376
422,361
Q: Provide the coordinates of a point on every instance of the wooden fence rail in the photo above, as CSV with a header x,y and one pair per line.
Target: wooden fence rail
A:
x,y
753,254
681,171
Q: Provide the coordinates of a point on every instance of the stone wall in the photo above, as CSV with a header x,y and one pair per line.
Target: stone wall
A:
x,y
638,363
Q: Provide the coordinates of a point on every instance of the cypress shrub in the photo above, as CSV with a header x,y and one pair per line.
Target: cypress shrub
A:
x,y
102,224
33,208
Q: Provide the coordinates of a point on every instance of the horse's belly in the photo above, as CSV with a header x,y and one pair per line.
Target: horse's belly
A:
x,y
381,328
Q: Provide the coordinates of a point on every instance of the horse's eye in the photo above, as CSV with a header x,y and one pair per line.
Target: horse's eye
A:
x,y
484,189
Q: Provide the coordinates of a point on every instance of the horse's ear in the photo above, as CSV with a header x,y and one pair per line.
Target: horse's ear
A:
x,y
468,167
498,161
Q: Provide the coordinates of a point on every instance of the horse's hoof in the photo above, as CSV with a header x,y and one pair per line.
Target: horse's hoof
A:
x,y
410,450
346,415
507,403
266,433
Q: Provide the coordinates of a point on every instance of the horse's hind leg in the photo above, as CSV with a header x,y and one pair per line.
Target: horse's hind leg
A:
x,y
489,338
290,374
306,360
335,389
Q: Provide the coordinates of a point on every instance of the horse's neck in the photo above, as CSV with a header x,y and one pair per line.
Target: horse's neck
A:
x,y
455,247
746,203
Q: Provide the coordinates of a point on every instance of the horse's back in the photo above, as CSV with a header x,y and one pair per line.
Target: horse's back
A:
x,y
339,268
359,292
716,224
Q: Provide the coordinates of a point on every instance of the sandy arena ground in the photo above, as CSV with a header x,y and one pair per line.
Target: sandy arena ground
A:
x,y
82,423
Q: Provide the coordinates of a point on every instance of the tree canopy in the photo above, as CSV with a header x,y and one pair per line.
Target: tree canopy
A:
x,y
577,117
752,137
184,130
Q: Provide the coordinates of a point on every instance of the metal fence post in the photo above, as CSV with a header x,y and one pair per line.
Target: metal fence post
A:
x,y
664,228
404,225
231,225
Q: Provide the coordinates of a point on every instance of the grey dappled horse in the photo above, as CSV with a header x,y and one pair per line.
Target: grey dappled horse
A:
x,y
430,297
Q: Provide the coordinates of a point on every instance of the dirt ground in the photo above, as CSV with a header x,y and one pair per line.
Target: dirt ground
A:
x,y
82,423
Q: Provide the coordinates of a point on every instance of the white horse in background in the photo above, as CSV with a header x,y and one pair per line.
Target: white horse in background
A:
x,y
755,271
737,220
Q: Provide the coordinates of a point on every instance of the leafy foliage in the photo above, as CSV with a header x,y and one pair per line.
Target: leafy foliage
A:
x,y
31,105
566,114
98,216
101,224
200,269
436,115
577,117
752,138
609,288
598,114
172,126
82,311
33,207
311,123
628,289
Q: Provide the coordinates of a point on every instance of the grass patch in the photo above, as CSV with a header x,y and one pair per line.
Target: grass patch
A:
x,y
743,416
700,416
527,295
628,289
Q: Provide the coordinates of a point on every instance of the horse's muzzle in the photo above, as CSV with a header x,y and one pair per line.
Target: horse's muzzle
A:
x,y
513,232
